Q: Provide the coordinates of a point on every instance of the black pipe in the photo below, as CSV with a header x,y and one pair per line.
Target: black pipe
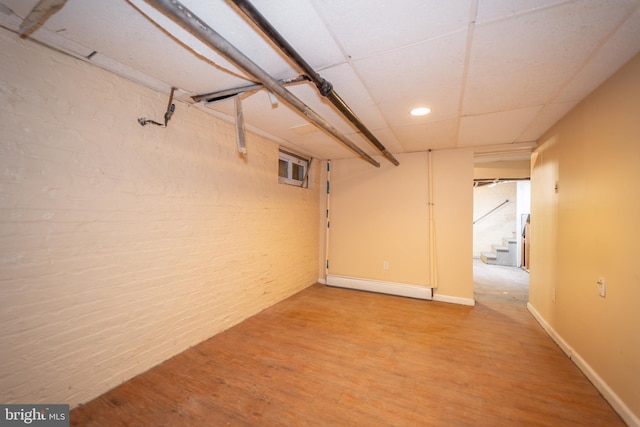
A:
x,y
198,28
325,88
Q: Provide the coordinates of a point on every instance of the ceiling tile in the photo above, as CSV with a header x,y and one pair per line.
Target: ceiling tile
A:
x,y
299,24
424,74
322,147
350,88
495,128
527,59
21,8
65,44
546,118
424,136
224,20
153,53
623,45
388,139
366,27
500,9
10,21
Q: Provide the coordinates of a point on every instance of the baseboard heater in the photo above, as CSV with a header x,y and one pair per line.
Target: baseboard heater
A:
x,y
390,288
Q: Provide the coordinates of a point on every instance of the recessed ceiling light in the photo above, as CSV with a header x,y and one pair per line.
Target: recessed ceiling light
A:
x,y
420,111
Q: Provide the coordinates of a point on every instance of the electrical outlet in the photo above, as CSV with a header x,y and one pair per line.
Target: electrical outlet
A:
x,y
385,265
602,288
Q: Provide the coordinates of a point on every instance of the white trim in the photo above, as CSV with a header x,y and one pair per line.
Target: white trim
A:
x,y
391,288
610,396
322,281
454,300
550,331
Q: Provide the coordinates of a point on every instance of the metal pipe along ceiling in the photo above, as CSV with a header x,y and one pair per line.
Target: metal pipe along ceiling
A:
x,y
325,88
190,22
223,94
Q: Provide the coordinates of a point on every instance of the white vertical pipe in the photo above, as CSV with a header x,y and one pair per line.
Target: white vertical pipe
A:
x,y
433,268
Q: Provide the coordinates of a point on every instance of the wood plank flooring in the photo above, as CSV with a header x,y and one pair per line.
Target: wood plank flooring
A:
x,y
336,357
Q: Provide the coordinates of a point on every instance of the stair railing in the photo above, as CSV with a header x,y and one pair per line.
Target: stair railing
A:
x,y
491,211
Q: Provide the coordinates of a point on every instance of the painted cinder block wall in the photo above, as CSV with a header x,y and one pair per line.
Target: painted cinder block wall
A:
x,y
585,225
123,245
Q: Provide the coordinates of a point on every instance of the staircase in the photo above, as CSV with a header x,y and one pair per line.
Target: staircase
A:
x,y
504,254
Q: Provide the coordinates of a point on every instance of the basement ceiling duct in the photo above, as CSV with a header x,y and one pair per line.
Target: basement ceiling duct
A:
x,y
324,87
198,28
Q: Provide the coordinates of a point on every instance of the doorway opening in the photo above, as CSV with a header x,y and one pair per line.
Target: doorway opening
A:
x,y
501,210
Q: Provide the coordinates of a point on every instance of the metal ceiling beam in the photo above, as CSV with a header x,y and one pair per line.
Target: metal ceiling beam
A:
x,y
325,88
190,22
227,93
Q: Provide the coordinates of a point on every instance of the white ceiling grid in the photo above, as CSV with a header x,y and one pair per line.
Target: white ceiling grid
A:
x,y
494,72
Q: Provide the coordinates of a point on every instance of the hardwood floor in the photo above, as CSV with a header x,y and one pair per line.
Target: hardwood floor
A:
x,y
335,357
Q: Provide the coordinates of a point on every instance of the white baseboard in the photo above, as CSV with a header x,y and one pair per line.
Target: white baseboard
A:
x,y
454,300
390,288
551,332
614,400
322,281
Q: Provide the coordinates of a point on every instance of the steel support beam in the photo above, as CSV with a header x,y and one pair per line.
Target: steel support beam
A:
x,y
227,93
198,28
325,88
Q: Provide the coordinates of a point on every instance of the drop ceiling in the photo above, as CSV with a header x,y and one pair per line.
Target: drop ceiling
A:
x,y
495,73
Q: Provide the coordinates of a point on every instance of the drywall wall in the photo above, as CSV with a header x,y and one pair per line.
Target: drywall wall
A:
x,y
584,226
380,221
123,245
453,215
380,215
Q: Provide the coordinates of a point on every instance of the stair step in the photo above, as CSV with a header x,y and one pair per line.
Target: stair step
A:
x,y
502,254
488,257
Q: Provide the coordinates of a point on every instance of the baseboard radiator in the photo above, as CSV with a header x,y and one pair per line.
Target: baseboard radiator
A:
x,y
390,288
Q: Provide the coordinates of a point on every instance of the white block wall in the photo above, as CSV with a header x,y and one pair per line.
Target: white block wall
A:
x,y
123,245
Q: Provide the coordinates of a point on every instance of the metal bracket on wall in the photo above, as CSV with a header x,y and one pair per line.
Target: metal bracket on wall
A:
x,y
170,109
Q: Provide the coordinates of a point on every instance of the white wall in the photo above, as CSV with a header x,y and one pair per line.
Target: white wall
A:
x,y
123,245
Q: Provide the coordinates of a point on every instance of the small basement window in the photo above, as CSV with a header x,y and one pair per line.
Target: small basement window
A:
x,y
292,169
